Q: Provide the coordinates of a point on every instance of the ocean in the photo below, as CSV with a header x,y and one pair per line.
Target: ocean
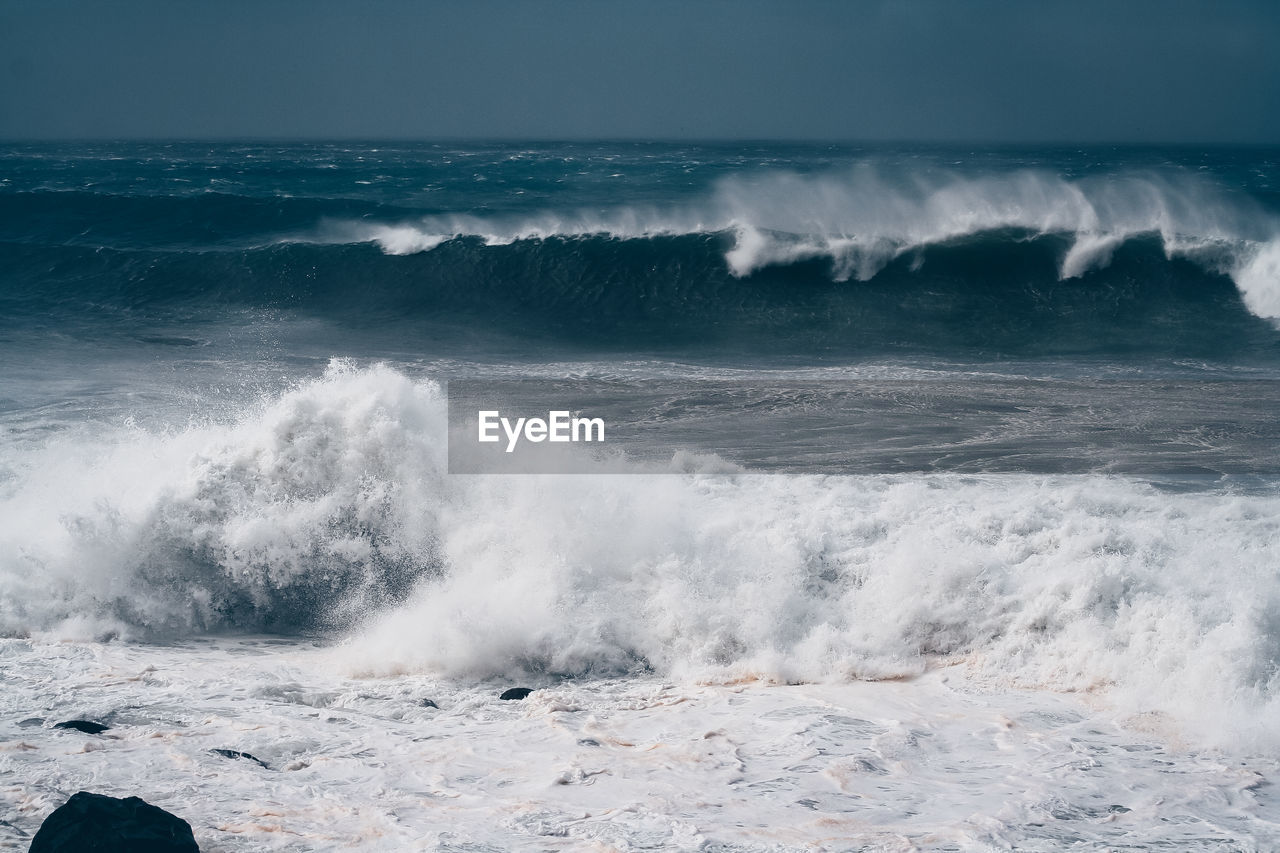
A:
x,y
942,511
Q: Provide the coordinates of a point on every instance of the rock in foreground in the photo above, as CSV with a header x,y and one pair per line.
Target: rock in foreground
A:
x,y
93,823
235,753
89,727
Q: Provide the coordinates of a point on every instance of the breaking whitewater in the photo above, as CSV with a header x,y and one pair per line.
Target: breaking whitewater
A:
x,y
230,538
718,661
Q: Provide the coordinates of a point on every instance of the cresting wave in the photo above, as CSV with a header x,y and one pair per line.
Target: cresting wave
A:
x,y
956,262
863,219
328,506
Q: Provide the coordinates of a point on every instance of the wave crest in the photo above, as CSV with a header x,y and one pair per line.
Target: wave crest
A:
x,y
862,219
306,512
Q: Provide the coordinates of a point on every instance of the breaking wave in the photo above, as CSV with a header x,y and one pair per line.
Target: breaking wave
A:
x,y
868,260
862,220
328,507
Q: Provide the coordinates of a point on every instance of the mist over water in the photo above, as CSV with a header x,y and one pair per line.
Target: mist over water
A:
x,y
861,219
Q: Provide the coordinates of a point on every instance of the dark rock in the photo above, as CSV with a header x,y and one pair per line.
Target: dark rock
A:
x,y
31,722
516,693
427,703
87,726
588,741
93,823
235,753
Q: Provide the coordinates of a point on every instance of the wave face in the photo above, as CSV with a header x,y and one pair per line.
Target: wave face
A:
x,y
328,505
862,219
775,249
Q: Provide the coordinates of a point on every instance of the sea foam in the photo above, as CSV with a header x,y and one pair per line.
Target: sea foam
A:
x,y
862,218
329,507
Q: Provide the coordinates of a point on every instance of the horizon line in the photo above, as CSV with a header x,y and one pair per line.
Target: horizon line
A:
x,y
656,140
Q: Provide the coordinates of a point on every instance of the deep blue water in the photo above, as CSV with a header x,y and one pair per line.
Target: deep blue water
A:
x,y
751,253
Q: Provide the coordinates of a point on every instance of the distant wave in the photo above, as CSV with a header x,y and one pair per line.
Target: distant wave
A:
x,y
328,505
862,220
980,295
865,260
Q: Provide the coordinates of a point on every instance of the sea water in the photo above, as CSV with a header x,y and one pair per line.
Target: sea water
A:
x,y
955,527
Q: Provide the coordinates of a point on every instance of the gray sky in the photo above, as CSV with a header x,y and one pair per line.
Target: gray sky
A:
x,y
1035,70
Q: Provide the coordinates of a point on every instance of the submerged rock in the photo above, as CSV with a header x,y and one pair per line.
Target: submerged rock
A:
x,y
235,753
516,693
93,822
89,727
429,703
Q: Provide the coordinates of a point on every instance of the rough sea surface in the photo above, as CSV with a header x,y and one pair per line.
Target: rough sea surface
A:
x,y
1003,572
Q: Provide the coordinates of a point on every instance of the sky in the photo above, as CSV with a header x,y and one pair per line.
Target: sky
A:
x,y
1181,71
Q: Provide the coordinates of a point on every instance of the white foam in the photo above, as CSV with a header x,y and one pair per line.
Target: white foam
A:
x,y
401,239
305,495
864,217
1258,276
1090,251
623,764
333,497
